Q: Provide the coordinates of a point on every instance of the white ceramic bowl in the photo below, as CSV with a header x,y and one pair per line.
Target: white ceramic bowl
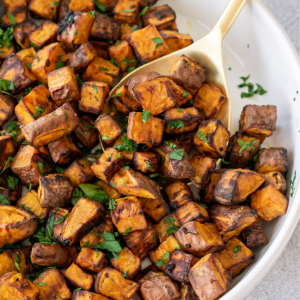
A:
x,y
256,45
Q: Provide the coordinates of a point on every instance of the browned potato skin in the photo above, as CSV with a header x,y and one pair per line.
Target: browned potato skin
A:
x,y
17,8
185,141
277,179
53,255
188,293
272,160
109,282
22,31
101,48
43,9
79,278
175,40
191,211
209,191
85,215
51,127
7,106
82,56
188,73
86,295
141,161
17,224
63,9
56,287
154,208
207,284
7,149
231,220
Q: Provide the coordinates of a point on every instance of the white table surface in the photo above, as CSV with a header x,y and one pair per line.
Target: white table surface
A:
x,y
283,281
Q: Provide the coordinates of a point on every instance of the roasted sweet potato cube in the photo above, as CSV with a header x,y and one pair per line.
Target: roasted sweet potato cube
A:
x,y
8,49
235,257
231,220
63,151
175,161
277,179
86,132
209,278
128,263
181,94
17,8
110,191
30,164
187,292
126,146
101,48
26,55
179,193
51,127
91,260
82,5
82,56
185,141
93,95
146,162
181,120
269,203
10,187
175,40
148,44
211,138
209,191
155,95
79,278
44,35
22,31
141,242
272,160
110,282
53,255
55,287
126,11
75,28
100,69
167,226
209,100
14,283
86,295
191,211
45,60
7,106
43,9
126,30
14,70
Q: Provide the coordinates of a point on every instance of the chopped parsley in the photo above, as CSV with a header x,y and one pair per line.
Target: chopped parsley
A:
x,y
157,41
201,134
176,124
237,249
38,111
145,115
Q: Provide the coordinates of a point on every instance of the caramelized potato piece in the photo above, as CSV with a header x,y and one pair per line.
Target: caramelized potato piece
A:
x,y
55,287
85,215
8,50
277,179
110,282
22,31
7,150
126,11
17,8
126,31
191,211
146,161
181,95
209,278
82,5
86,295
231,220
209,99
17,224
43,9
209,191
269,203
167,226
51,127
188,293
7,106
110,191
7,262
79,278
101,48
82,56
26,55
179,193
91,260
185,141
175,40
235,257
188,73
145,48
211,138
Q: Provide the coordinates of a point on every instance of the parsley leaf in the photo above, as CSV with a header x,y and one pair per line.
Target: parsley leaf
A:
x,y
127,231
59,169
7,247
169,219
111,204
16,261
92,191
171,229
184,94
176,123
6,85
125,274
100,6
201,134
292,184
103,69
134,28
179,110
142,12
171,145
237,249
61,219
128,145
38,110
59,64
11,18
12,182
3,200
9,159
145,115
157,41
177,154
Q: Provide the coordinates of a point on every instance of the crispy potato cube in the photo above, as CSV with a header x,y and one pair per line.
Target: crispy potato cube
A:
x,y
75,28
126,31
45,60
127,263
86,295
82,5
53,255
126,11
209,278
63,86
7,259
235,257
51,127
175,40
128,215
93,95
17,8
110,282
82,56
209,99
26,55
199,239
141,242
100,69
63,151
191,211
22,31
277,179
185,141
30,164
78,277
7,107
14,70
179,193
56,287
167,226
209,191
269,203
101,48
272,160
44,35
16,285
85,215
43,9
175,161
148,44
7,50
181,94
231,220
211,138
91,260
235,186
146,162
188,293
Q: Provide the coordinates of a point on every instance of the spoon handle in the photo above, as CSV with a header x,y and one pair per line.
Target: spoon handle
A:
x,y
229,15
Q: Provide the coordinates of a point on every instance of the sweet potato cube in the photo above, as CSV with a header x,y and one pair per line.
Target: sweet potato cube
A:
x,y
211,138
126,11
146,162
148,44
188,73
126,31
209,278
8,49
10,187
7,106
185,141
269,203
17,8
82,56
22,31
82,5
126,146
93,95
231,220
167,226
79,278
179,193
8,262
43,9
191,211
235,257
187,292
209,191
86,295
91,260
277,179
110,191
175,40
26,55
181,94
